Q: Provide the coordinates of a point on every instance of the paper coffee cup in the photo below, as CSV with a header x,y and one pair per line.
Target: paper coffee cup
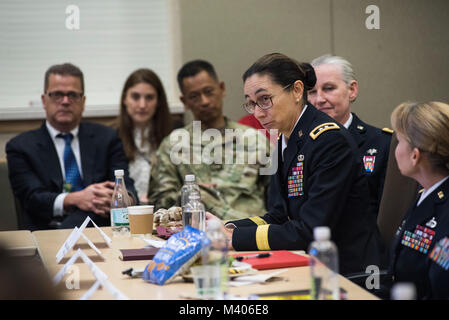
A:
x,y
140,219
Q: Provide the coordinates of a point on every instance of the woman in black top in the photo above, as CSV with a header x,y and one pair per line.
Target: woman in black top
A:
x,y
420,251
319,179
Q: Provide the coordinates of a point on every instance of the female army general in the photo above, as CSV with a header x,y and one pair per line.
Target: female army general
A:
x,y
319,179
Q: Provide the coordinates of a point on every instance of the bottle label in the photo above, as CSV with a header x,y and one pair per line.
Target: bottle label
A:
x,y
120,217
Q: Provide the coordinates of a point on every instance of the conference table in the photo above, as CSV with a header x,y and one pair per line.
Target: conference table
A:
x,y
78,281
19,243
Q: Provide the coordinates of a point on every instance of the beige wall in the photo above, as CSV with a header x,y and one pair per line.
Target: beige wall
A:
x,y
406,59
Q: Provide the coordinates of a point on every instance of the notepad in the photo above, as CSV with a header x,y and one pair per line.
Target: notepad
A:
x,y
278,259
138,254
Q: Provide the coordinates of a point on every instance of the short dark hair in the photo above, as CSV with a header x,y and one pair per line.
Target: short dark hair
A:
x,y
65,69
283,71
194,67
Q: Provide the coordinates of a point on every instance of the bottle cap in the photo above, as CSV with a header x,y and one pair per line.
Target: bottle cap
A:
x,y
190,177
403,291
119,173
213,224
321,233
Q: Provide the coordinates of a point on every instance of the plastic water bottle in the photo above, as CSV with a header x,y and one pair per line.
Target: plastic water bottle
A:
x,y
119,205
215,255
189,185
323,266
403,291
194,213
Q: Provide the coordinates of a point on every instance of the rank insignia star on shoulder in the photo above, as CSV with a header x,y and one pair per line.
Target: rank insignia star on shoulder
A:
x,y
323,128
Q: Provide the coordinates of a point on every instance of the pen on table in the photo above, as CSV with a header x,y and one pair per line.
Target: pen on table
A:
x,y
259,255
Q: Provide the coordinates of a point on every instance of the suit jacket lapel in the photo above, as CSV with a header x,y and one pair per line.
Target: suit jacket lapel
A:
x,y
358,130
428,207
297,138
88,153
421,214
49,156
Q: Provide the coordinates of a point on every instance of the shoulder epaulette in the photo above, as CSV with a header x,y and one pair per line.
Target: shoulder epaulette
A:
x,y
388,130
323,128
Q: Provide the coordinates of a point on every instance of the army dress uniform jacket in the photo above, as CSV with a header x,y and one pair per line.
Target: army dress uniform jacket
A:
x,y
420,251
240,190
374,146
319,183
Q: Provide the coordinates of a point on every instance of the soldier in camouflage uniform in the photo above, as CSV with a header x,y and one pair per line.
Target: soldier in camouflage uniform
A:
x,y
229,189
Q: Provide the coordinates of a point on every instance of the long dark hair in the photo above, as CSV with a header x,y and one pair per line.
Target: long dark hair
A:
x,y
161,124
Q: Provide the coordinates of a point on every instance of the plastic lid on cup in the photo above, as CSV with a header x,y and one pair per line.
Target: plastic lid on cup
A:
x,y
119,173
190,178
321,233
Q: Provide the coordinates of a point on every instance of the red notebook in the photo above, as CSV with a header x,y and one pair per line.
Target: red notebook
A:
x,y
278,259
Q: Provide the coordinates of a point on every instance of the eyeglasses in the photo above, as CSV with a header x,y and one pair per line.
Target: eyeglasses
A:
x,y
58,96
264,102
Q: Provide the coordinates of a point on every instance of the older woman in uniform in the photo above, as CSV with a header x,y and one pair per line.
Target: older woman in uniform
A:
x,y
319,179
420,252
336,88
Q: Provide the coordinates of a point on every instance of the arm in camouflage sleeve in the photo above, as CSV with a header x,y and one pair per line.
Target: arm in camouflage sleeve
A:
x,y
165,182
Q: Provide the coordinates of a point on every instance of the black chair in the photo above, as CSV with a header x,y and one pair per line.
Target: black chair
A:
x,y
398,195
8,217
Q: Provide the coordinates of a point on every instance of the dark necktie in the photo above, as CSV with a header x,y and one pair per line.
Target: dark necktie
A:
x,y
73,181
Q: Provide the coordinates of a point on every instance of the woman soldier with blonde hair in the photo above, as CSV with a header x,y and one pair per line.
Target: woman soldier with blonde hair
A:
x,y
421,246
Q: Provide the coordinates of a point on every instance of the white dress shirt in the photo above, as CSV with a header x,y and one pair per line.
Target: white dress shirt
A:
x,y
425,193
348,123
139,169
58,205
284,138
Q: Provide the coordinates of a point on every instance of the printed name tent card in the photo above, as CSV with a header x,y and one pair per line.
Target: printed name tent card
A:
x,y
98,274
107,239
117,294
74,237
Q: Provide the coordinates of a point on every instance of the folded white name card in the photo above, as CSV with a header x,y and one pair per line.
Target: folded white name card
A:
x,y
74,237
96,271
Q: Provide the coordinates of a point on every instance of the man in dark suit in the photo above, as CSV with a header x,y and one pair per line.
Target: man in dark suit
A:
x,y
64,171
336,88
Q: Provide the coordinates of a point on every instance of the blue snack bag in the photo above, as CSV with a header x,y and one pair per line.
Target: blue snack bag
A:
x,y
178,253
